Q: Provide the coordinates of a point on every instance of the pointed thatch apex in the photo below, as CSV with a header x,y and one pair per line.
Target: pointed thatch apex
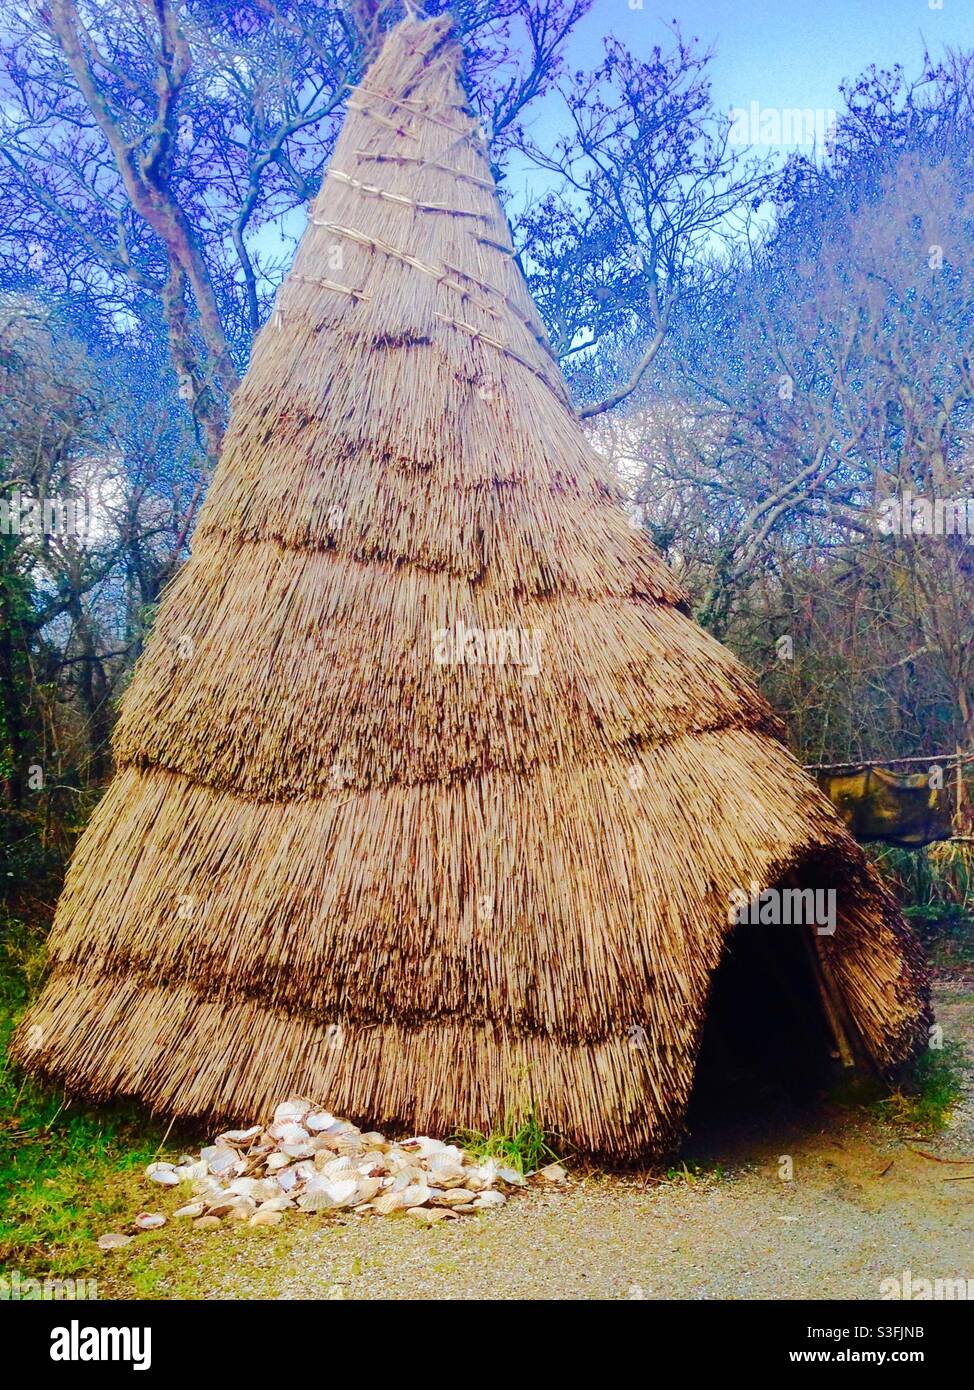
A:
x,y
430,797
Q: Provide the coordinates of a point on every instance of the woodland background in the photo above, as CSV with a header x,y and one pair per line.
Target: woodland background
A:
x,y
765,347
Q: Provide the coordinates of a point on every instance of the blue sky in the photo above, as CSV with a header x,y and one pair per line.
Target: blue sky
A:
x,y
779,53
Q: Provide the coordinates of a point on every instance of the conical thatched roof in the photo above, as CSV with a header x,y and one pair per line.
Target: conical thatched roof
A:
x,y
334,861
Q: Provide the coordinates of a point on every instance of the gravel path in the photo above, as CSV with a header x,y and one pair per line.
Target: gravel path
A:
x,y
862,1205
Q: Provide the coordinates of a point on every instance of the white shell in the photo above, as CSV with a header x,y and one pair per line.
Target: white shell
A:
x,y
113,1240
220,1159
512,1177
319,1120
322,1194
429,1215
343,1192
266,1190
310,1158
336,1166
244,1187
456,1197
302,1149
223,1204
367,1189
239,1137
423,1145
416,1194
489,1199
191,1209
267,1216
553,1173
163,1173
447,1174
150,1220
189,1172
387,1203
282,1202
288,1132
291,1110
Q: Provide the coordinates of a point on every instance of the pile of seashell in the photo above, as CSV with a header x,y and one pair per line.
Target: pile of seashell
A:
x,y
308,1160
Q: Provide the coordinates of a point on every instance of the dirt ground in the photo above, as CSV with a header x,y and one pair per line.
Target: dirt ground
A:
x,y
864,1203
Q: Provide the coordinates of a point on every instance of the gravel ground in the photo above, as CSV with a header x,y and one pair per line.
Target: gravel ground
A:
x,y
835,1231
862,1205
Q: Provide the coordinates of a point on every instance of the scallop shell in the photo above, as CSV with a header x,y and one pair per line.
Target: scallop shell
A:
x,y
222,1205
294,1109
219,1158
323,1194
113,1240
150,1220
288,1132
429,1215
319,1120
244,1187
302,1149
351,1145
239,1138
279,1203
448,1174
387,1203
554,1172
478,1179
489,1199
163,1173
423,1145
367,1189
416,1194
512,1177
344,1192
189,1172
267,1216
334,1166
457,1197
191,1209
266,1190
205,1187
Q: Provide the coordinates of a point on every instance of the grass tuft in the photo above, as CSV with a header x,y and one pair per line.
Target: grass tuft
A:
x,y
521,1143
925,1099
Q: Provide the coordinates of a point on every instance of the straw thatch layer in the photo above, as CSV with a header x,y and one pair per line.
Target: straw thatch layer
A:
x,y
364,657
430,797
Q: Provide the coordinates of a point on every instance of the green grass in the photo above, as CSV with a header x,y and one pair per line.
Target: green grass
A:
x,y
925,1099
68,1173
521,1143
691,1174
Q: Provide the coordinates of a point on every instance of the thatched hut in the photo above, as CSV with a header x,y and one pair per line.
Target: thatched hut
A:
x,y
430,797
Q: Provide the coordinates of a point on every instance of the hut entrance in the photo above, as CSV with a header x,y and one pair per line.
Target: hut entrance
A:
x,y
773,1040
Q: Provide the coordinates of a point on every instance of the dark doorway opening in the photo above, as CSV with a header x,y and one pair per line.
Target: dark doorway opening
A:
x,y
768,1051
